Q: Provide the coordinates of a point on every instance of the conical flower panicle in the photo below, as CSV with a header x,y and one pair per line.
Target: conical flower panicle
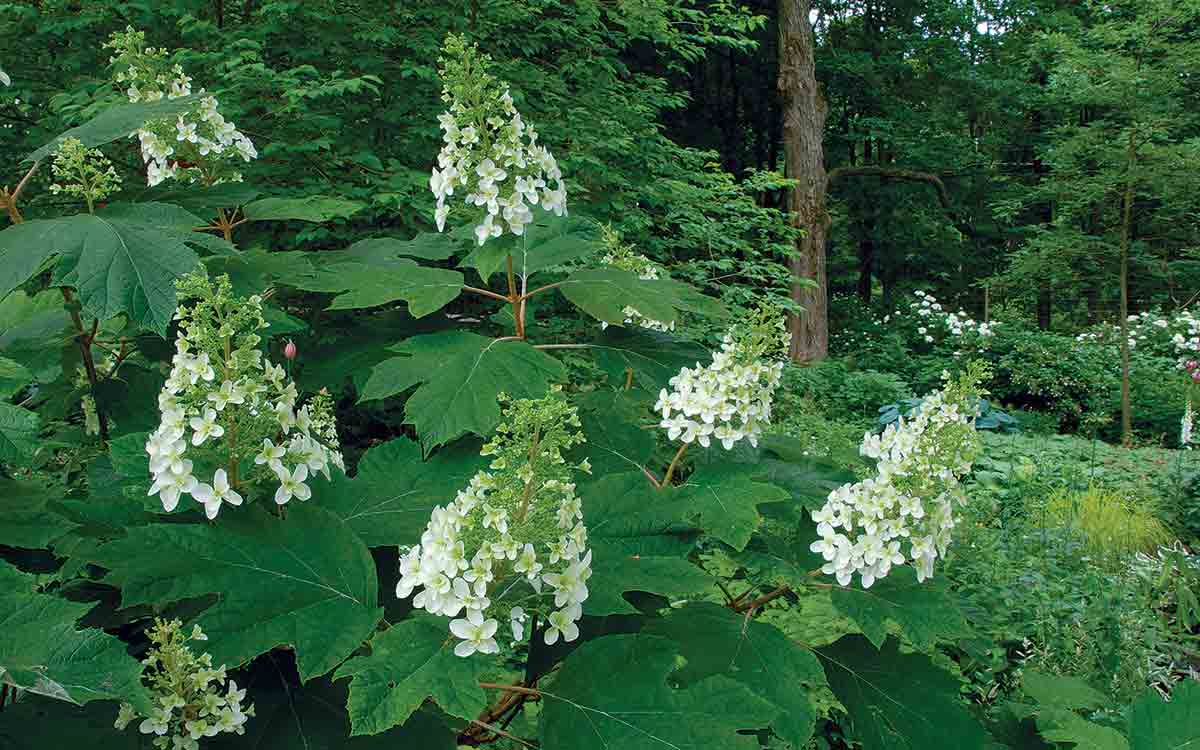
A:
x,y
489,155
905,513
224,403
511,546
199,145
730,399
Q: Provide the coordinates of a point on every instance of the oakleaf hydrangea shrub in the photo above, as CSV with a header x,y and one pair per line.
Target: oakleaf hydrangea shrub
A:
x,y
192,699
199,145
905,512
489,153
729,399
511,546
225,407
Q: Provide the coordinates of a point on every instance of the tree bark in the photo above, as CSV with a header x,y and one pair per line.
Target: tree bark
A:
x,y
804,112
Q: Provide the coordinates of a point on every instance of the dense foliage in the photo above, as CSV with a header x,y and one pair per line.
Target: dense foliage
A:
x,y
415,375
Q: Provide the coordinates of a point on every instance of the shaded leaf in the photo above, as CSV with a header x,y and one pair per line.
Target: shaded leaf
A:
x,y
18,432
390,498
426,245
409,662
1062,691
27,518
613,692
314,208
362,285
307,582
654,357
461,374
117,122
898,700
1158,725
716,640
923,612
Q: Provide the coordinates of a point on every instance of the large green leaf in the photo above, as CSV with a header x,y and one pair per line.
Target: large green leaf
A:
x,y
426,245
44,653
13,377
411,661
653,357
617,570
117,122
308,582
1062,691
614,692
554,240
27,518
18,432
716,640
360,284
1061,725
33,331
389,500
923,612
1155,724
121,264
314,208
616,442
898,701
722,502
604,293
314,717
461,374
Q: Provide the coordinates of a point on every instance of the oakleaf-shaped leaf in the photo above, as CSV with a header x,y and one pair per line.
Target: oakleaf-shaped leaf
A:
x,y
616,442
389,500
121,264
924,612
117,122
896,700
44,653
426,290
426,245
18,432
717,640
1155,724
26,517
653,357
604,293
614,692
409,662
1062,691
13,377
308,582
461,374
1061,725
617,570
314,208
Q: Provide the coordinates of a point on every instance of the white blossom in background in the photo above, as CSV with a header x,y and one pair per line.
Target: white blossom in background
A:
x,y
729,399
490,160
1185,427
4,78
905,513
947,323
511,547
622,256
223,403
198,145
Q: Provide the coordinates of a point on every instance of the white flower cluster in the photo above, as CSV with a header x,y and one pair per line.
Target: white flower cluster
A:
x,y
505,549
489,153
1176,335
1185,426
241,398
951,323
731,398
200,145
865,526
189,703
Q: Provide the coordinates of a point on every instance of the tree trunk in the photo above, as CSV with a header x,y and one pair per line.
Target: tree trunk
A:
x,y
1126,228
804,112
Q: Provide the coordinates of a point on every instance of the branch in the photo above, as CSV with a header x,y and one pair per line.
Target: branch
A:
x,y
909,175
486,293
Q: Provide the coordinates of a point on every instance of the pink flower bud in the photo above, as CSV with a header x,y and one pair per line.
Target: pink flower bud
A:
x,y
1190,364
1196,376
289,349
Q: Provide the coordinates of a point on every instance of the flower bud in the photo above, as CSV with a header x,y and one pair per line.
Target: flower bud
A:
x,y
1190,365
289,349
1196,376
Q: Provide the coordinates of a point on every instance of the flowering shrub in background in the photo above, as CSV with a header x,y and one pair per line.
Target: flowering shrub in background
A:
x,y
865,526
